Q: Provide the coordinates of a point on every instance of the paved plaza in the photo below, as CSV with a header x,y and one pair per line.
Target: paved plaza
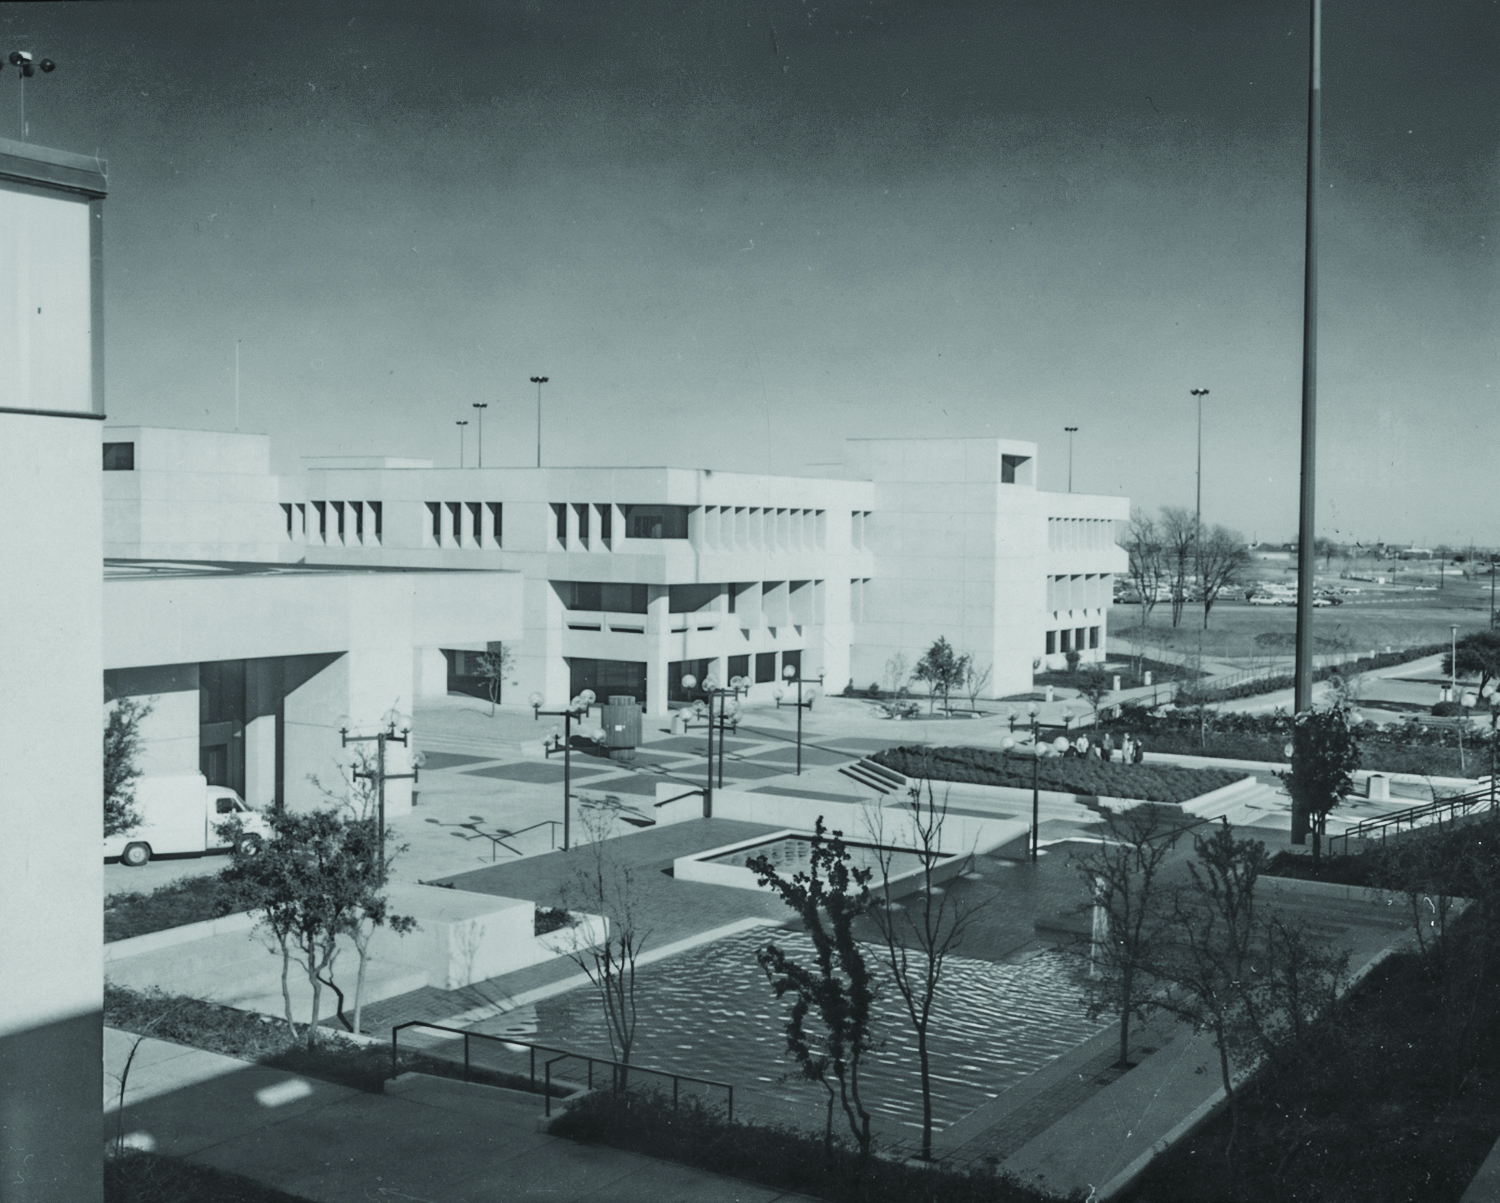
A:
x,y
488,813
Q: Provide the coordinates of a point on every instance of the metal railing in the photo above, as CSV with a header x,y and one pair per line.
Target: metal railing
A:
x,y
1413,816
620,1071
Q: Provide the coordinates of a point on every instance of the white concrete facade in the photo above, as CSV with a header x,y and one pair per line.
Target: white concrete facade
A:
x,y
270,662
189,495
634,576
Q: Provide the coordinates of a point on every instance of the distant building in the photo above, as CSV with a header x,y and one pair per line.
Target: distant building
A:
x,y
637,576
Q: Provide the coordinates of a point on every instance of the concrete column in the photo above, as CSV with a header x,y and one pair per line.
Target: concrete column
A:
x,y
260,762
658,649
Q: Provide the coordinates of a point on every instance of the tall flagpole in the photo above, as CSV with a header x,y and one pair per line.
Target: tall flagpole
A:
x,y
1305,529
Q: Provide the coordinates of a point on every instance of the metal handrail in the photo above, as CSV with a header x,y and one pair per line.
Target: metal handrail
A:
x,y
619,1069
1412,815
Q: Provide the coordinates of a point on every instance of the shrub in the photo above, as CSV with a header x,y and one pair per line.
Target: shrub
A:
x,y
781,1158
550,919
135,1176
1448,710
978,766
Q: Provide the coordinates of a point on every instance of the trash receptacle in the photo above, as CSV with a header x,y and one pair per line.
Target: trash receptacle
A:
x,y
621,719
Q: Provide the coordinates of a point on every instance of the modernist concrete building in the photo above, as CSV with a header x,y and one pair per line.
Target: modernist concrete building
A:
x,y
634,577
51,875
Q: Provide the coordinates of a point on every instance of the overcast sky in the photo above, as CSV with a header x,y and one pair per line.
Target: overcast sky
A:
x,y
735,233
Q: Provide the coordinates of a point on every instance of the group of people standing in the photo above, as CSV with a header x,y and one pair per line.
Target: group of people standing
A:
x,y
1130,748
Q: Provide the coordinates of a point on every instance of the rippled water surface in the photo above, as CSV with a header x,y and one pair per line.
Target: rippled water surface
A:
x,y
710,1012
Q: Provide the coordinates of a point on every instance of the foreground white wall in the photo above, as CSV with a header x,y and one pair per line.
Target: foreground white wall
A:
x,y
51,872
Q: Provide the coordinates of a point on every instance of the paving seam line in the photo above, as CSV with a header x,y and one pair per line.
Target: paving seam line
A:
x,y
526,997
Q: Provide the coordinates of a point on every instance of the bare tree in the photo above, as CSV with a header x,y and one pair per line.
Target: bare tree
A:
x,y
975,679
1132,914
604,885
1222,561
494,666
897,670
1148,564
920,932
1179,534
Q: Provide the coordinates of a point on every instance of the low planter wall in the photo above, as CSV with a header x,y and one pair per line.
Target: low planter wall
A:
x,y
119,950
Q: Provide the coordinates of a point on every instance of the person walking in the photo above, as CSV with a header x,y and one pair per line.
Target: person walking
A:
x,y
1107,747
1138,753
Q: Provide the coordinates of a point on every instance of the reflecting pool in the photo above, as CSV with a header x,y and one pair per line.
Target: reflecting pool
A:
x,y
711,1013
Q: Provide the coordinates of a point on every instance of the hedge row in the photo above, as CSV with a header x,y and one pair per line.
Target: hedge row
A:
x,y
781,1158
1083,775
1373,757
1250,689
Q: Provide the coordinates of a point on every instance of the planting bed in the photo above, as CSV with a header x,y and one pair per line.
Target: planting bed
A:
x,y
1086,776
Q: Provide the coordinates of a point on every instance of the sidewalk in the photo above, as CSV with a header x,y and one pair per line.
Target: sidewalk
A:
x,y
429,1140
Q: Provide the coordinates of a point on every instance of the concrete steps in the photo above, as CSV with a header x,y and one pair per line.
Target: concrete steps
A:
x,y
875,776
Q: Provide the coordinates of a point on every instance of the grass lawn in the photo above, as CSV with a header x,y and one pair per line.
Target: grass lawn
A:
x,y
1364,623
187,901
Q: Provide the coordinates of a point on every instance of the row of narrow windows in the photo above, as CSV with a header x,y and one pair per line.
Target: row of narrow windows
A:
x,y
1079,534
1081,591
335,521
1072,639
464,524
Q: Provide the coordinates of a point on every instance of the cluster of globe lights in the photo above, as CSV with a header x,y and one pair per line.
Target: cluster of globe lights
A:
x,y
578,708
1059,745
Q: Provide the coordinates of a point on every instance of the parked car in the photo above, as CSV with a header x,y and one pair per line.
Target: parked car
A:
x,y
1262,599
181,814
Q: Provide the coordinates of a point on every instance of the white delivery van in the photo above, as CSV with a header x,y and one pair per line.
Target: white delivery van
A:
x,y
181,814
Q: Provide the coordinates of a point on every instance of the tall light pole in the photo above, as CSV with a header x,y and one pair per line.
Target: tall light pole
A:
x,y
793,673
481,406
711,688
27,67
1199,393
390,720
539,381
1072,430
461,424
1453,664
1036,769
1306,534
578,708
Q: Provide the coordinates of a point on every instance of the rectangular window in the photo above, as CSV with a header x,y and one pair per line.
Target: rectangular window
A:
x,y
689,599
1093,637
606,522
338,510
322,508
739,666
655,521
583,522
608,678
497,526
596,595
1080,639
476,523
435,513
357,508
1051,643
765,667
286,506
119,457
677,669
1009,465
456,522
793,660
376,508
560,522
302,518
